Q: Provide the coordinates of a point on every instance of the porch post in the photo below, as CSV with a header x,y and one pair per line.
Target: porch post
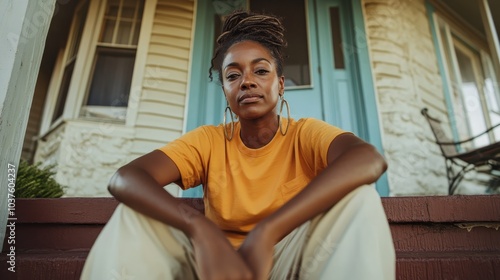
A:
x,y
23,32
491,36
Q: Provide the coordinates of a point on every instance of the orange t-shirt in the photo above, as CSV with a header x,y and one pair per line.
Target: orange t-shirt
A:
x,y
242,185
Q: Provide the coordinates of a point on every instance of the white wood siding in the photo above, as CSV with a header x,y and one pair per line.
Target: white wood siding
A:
x,y
160,114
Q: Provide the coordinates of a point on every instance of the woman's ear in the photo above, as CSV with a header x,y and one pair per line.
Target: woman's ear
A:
x,y
281,85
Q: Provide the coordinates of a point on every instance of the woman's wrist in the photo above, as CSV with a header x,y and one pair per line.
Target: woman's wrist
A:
x,y
201,229
266,228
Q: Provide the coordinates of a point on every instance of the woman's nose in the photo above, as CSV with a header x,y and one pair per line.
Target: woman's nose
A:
x,y
247,83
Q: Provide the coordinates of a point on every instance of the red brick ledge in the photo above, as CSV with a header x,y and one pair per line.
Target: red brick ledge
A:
x,y
424,209
53,236
439,209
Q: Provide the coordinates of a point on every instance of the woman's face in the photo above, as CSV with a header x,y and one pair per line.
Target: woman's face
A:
x,y
250,81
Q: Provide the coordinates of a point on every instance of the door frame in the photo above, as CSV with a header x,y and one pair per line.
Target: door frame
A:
x,y
367,114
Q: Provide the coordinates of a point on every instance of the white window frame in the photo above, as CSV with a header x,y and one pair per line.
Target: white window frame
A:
x,y
55,82
108,112
460,36
80,80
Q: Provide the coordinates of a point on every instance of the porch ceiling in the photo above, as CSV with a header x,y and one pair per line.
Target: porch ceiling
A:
x,y
468,10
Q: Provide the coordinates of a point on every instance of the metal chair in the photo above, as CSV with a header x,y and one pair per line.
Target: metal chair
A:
x,y
483,159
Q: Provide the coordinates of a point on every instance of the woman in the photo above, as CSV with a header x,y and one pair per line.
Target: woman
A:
x,y
284,199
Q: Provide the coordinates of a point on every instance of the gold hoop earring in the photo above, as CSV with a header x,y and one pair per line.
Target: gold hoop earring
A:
x,y
232,123
284,102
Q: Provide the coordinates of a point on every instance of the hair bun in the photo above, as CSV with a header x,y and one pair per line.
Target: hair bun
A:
x,y
248,24
233,19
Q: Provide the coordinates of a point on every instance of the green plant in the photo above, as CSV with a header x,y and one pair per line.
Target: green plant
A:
x,y
34,181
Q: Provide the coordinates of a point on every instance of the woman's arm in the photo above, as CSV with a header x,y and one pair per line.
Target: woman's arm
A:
x,y
139,185
351,163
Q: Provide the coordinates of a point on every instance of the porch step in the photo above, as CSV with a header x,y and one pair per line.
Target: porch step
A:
x,y
67,265
44,264
448,265
452,237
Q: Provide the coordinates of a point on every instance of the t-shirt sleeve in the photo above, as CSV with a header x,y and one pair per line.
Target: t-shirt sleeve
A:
x,y
315,139
190,153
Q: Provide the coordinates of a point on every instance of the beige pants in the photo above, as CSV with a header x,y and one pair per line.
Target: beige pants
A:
x,y
350,241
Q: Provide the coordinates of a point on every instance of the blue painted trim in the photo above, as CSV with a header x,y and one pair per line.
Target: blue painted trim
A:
x,y
199,80
193,192
325,61
368,89
357,100
442,71
196,100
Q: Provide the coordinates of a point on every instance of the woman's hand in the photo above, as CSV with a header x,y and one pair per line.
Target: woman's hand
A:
x,y
214,255
257,250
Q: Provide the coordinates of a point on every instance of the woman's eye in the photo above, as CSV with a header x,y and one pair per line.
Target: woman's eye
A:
x,y
262,71
231,77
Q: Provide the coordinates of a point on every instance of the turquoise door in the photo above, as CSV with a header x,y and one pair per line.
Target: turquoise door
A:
x,y
337,65
336,87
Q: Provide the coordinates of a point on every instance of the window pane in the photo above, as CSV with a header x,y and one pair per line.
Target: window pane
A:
x,y
81,15
126,13
63,91
135,39
461,124
338,54
112,8
124,32
294,19
107,31
141,10
492,92
470,95
112,78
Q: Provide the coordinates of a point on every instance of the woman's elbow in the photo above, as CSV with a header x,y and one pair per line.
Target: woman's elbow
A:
x,y
374,164
116,185
379,164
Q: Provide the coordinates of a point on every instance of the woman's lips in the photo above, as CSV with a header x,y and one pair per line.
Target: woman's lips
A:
x,y
250,99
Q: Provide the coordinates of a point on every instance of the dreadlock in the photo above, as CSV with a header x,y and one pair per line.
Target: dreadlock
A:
x,y
241,26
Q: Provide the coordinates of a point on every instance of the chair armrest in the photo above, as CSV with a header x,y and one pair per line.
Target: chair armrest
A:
x,y
487,130
469,139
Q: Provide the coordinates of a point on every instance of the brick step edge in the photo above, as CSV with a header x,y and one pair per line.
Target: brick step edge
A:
x,y
54,265
56,254
447,255
50,264
49,256
448,265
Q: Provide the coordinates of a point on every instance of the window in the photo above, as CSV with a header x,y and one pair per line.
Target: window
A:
x,y
297,64
109,86
69,65
93,77
474,97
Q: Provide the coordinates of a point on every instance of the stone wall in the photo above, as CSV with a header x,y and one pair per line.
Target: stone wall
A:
x,y
87,155
407,78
